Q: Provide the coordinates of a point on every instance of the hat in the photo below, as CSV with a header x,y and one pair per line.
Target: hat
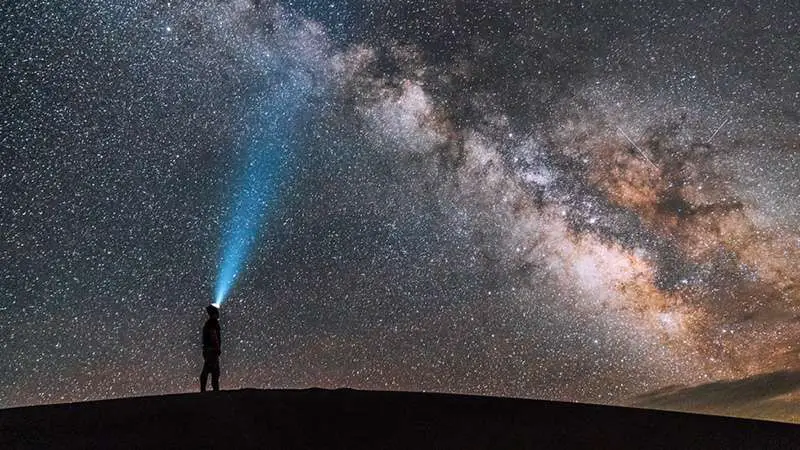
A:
x,y
212,310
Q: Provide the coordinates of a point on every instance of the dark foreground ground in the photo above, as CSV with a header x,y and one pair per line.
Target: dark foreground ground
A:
x,y
347,419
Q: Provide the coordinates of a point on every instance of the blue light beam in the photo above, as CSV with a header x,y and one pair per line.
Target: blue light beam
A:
x,y
268,155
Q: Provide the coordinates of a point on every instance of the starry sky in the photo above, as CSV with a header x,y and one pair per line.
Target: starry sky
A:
x,y
581,201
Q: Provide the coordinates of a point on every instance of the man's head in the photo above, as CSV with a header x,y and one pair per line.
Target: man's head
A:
x,y
212,311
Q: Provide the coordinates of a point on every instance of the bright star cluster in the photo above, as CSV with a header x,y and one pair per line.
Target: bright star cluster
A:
x,y
592,202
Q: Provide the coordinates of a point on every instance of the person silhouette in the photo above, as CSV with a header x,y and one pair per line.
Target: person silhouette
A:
x,y
212,348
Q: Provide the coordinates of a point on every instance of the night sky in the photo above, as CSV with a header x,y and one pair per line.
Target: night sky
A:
x,y
594,202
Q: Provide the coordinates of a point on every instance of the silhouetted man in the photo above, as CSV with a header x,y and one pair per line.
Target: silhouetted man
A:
x,y
212,347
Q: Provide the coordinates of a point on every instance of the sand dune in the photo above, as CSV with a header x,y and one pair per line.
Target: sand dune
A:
x,y
350,419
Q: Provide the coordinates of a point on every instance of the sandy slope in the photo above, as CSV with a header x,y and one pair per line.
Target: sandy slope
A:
x,y
349,419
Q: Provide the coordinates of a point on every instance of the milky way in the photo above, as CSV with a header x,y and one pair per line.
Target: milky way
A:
x,y
593,203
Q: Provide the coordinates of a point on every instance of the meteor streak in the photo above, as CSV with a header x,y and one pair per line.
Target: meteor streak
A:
x,y
637,148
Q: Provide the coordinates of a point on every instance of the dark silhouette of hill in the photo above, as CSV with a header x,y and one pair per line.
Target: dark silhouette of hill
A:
x,y
349,419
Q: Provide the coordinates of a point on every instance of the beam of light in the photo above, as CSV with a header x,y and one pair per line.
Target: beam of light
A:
x,y
268,155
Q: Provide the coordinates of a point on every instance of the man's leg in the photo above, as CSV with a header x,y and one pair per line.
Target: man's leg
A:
x,y
215,377
204,377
